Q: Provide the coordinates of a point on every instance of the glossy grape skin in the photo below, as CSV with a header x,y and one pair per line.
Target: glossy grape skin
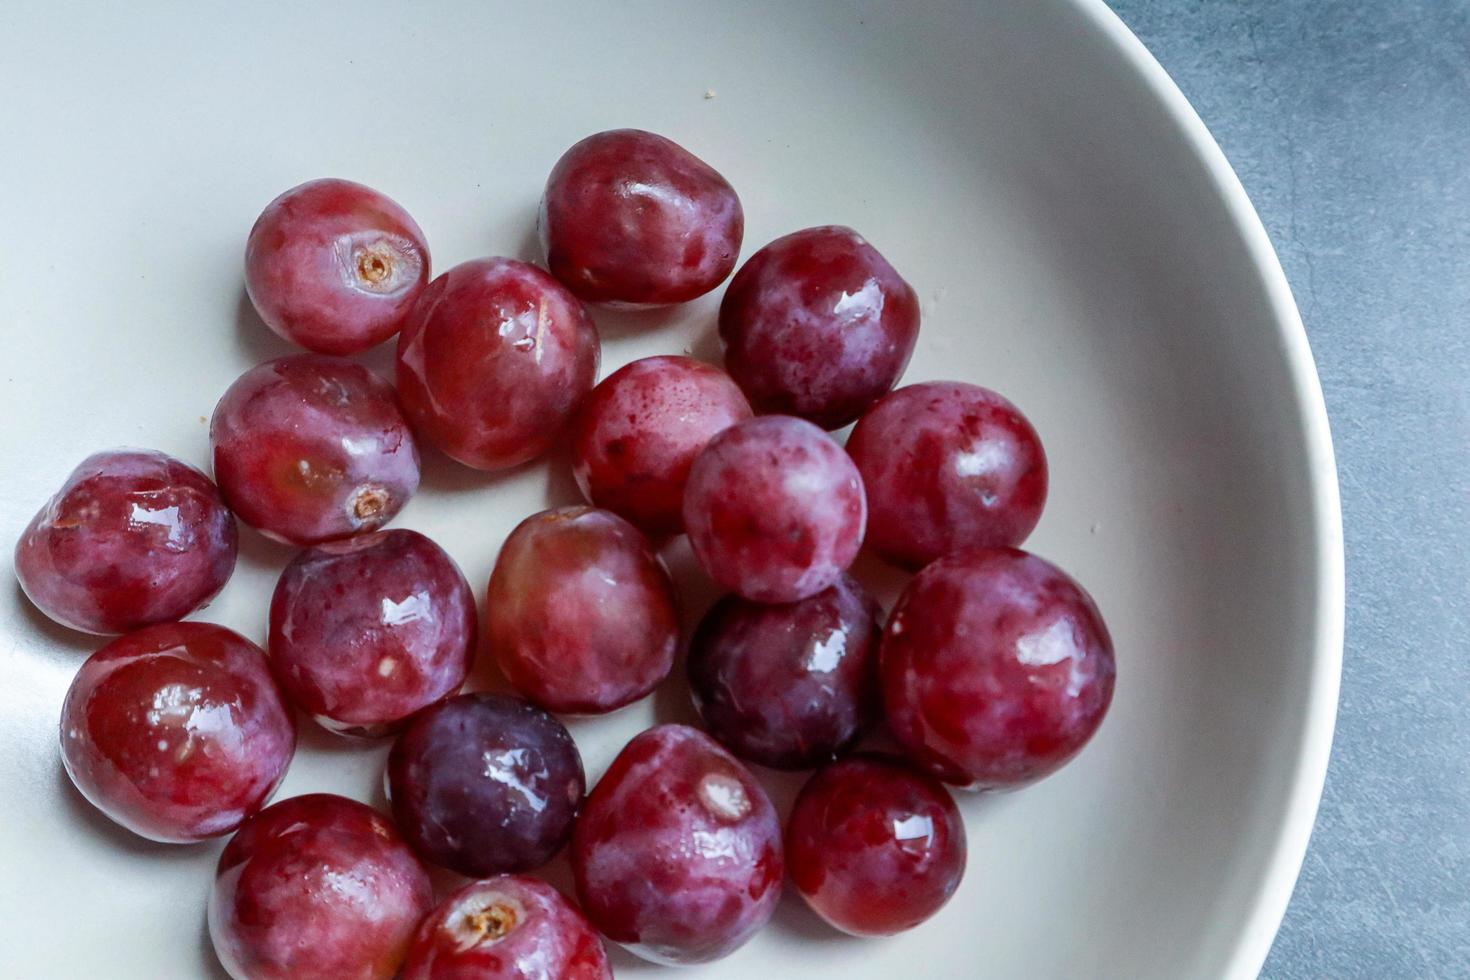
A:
x,y
317,887
494,362
639,431
312,448
582,617
133,537
874,847
774,509
947,466
335,266
633,219
677,853
817,324
365,632
789,686
996,668
506,928
485,784
177,731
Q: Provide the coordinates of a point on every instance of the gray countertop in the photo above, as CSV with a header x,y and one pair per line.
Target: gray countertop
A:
x,y
1349,124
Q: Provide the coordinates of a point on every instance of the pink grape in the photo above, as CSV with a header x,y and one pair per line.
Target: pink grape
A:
x,y
494,361
132,538
312,448
774,509
638,433
947,466
335,266
997,668
634,219
817,324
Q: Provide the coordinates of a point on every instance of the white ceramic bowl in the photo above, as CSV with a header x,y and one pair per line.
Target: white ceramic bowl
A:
x,y
1078,240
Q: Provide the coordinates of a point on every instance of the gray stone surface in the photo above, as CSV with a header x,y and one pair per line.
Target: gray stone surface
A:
x,y
1349,123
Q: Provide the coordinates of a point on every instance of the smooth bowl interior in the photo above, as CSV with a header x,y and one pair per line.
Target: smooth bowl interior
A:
x,y
1079,246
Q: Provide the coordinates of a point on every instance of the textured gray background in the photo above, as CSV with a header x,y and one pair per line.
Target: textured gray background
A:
x,y
1349,123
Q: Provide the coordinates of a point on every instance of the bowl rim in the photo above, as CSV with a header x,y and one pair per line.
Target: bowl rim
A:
x,y
1274,882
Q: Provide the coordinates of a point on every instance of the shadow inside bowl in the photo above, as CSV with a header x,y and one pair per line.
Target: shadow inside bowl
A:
x,y
614,323
209,966
795,919
253,339
77,645
259,551
81,813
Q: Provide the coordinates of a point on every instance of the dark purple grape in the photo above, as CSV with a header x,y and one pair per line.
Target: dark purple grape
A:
x,y
789,686
485,784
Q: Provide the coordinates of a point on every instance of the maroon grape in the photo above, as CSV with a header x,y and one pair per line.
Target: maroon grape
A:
x,y
996,668
365,632
335,266
874,847
310,448
484,784
133,537
635,219
817,324
677,854
789,686
494,361
639,431
316,887
947,466
178,731
581,610
774,509
506,928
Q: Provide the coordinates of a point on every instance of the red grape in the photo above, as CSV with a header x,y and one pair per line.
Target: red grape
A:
x,y
365,632
817,324
133,537
581,610
639,431
484,784
178,731
947,465
635,219
874,847
996,668
677,854
494,361
335,266
506,928
310,448
789,686
316,887
774,509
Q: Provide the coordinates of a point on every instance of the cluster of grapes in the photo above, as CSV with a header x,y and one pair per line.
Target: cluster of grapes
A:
x,y
992,670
